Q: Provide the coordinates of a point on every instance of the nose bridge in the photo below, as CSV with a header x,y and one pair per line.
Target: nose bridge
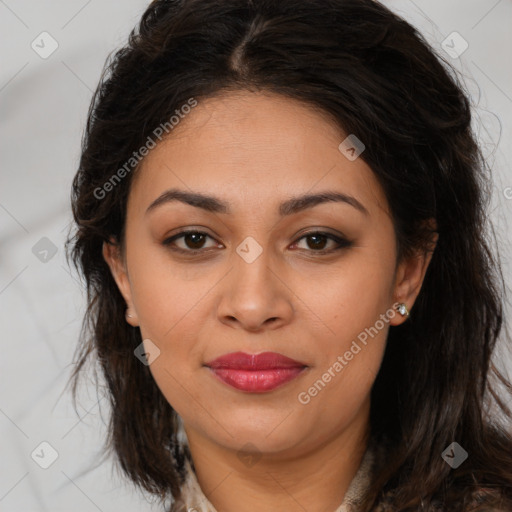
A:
x,y
253,271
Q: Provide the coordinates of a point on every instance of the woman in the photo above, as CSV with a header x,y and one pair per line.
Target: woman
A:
x,y
280,213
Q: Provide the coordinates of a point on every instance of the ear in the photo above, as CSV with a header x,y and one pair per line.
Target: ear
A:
x,y
410,275
112,255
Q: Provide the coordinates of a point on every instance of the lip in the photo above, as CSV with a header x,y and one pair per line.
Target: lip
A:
x,y
255,373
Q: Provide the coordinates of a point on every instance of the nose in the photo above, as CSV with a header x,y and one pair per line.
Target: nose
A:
x,y
255,296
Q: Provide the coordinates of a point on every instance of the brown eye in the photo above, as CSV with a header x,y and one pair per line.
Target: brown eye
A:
x,y
316,241
192,241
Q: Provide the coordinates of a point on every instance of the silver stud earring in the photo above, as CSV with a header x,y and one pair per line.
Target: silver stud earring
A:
x,y
128,314
402,309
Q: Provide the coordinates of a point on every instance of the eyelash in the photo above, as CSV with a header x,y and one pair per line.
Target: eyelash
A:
x,y
342,243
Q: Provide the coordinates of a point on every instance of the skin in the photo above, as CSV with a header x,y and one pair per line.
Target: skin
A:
x,y
255,150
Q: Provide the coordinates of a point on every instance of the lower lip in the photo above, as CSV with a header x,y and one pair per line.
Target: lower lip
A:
x,y
256,381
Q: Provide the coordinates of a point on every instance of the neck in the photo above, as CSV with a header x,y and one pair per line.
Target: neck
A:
x,y
314,479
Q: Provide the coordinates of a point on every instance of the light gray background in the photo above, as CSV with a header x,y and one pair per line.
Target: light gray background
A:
x,y
43,110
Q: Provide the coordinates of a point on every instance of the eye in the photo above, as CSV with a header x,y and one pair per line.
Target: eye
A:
x,y
193,242
316,240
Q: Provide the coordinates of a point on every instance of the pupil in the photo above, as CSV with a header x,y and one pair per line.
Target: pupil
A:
x,y
317,238
192,236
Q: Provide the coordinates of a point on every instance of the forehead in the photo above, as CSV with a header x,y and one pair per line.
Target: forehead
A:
x,y
254,149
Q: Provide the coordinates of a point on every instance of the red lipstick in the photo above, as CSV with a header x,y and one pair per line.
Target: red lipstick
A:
x,y
255,373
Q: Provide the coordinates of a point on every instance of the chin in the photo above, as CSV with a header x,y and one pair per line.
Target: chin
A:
x,y
269,434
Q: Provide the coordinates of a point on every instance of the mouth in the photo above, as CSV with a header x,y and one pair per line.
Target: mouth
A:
x,y
255,373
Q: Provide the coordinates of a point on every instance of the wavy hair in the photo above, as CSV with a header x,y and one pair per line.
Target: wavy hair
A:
x,y
376,77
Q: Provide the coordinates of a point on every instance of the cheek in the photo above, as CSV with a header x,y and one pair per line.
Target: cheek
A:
x,y
348,362
172,308
353,296
355,307
172,326
164,293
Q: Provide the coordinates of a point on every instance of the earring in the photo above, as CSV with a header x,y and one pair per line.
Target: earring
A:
x,y
128,314
402,309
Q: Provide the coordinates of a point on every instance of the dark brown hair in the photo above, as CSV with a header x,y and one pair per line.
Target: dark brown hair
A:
x,y
376,76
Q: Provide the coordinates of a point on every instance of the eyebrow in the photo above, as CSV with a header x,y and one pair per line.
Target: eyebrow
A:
x,y
288,207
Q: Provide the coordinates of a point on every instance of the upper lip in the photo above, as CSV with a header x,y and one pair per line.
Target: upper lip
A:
x,y
263,361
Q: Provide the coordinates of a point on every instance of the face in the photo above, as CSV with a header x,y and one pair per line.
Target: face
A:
x,y
312,280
